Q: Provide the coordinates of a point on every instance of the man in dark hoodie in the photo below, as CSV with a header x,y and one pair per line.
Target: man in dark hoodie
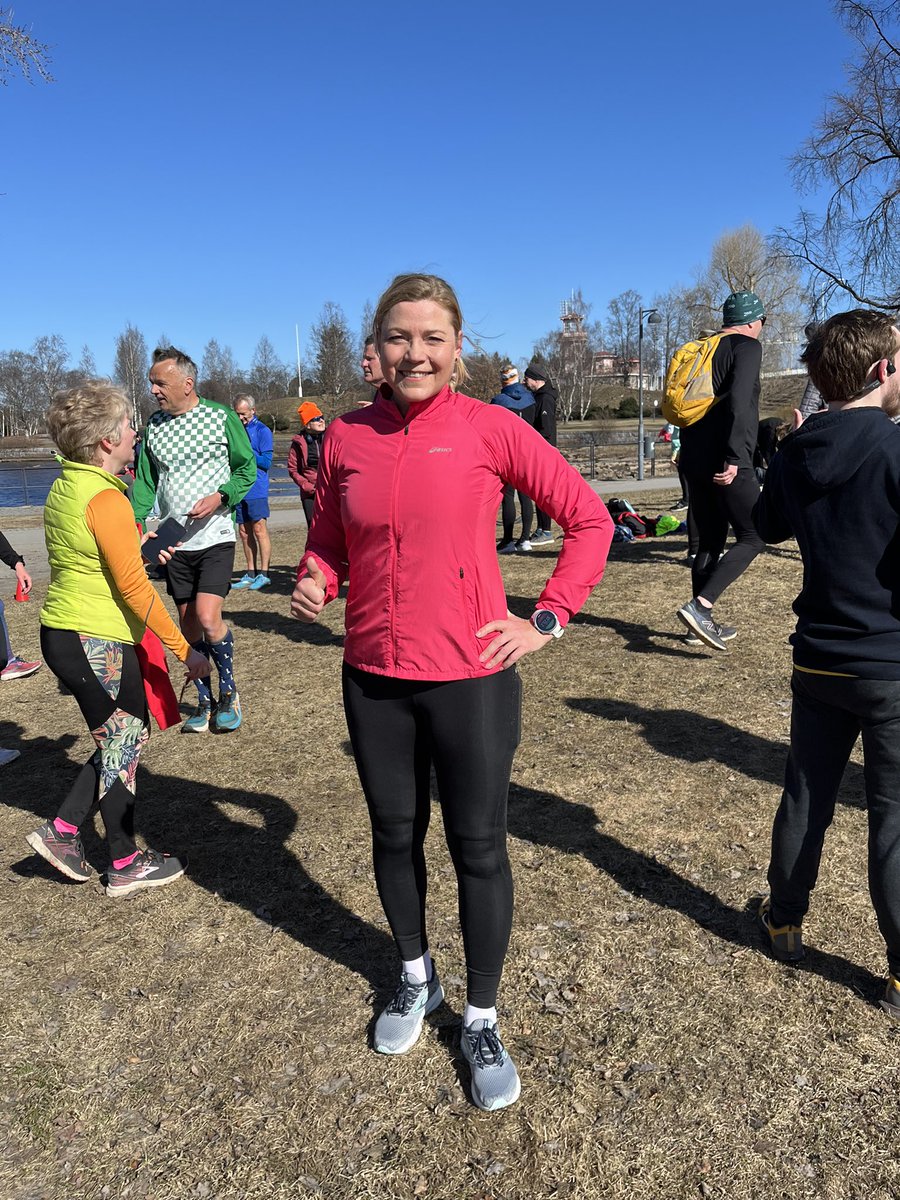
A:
x,y
519,401
835,486
717,459
538,383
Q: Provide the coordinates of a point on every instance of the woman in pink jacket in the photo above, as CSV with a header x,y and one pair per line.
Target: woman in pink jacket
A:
x,y
406,507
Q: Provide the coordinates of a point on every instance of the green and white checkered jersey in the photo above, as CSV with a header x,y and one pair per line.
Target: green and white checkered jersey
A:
x,y
192,455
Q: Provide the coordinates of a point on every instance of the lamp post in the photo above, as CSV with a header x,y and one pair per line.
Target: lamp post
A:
x,y
653,318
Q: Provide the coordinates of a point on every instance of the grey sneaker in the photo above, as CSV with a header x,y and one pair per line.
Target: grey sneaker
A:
x,y
149,869
726,632
506,548
62,850
891,1000
784,941
495,1080
523,545
397,1029
199,721
541,536
699,621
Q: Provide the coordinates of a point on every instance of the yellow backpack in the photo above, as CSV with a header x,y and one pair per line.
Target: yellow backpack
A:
x,y
689,386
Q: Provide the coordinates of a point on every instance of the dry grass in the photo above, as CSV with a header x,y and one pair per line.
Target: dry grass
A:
x,y
211,1039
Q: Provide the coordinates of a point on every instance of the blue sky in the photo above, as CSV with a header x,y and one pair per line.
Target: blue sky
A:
x,y
219,169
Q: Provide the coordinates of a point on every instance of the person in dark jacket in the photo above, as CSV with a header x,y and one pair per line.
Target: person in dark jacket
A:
x,y
835,486
303,455
545,396
717,459
519,401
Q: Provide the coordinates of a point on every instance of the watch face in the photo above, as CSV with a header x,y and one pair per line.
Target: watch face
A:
x,y
545,622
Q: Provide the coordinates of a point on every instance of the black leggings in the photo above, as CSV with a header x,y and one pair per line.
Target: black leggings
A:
x,y
508,512
469,730
714,508
105,679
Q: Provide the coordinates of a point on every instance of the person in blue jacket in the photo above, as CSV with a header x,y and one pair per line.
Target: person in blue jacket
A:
x,y
253,511
520,401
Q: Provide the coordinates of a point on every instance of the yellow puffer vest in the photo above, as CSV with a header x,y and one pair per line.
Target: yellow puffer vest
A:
x,y
82,595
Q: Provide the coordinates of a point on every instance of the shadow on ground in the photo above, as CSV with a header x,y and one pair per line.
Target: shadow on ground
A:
x,y
244,863
545,819
693,738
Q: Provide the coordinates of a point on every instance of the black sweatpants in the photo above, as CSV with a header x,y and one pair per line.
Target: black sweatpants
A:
x,y
714,508
469,730
829,712
105,679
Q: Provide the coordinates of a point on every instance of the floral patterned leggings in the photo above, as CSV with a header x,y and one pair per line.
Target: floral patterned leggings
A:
x,y
105,679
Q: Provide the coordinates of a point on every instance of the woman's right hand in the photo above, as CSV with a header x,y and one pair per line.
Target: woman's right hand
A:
x,y
308,598
197,665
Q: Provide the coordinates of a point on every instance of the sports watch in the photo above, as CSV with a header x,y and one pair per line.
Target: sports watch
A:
x,y
224,498
546,622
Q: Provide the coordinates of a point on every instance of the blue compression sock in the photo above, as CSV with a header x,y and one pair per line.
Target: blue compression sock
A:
x,y
222,654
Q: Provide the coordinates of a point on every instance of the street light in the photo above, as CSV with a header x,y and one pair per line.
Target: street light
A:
x,y
653,318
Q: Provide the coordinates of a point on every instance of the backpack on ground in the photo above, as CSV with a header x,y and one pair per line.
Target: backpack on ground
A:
x,y
615,506
689,386
631,520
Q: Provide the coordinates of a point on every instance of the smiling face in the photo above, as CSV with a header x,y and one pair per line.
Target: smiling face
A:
x,y
419,348
244,411
172,390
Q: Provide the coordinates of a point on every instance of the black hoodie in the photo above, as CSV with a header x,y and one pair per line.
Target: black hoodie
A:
x,y
545,412
835,487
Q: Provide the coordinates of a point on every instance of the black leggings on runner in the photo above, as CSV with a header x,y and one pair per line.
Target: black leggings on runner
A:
x,y
469,730
714,508
508,512
105,679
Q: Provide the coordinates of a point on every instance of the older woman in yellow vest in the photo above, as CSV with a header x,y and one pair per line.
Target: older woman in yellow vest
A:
x,y
98,606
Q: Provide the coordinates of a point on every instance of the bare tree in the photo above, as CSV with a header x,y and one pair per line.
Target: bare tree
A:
x,y
130,369
220,377
622,327
87,364
484,369
269,377
854,151
19,50
742,260
23,399
334,362
366,325
50,358
568,355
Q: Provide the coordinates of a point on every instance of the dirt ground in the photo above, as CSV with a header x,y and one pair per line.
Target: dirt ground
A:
x,y
211,1039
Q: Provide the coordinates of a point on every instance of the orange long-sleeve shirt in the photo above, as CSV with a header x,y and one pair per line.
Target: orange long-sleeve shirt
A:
x,y
111,520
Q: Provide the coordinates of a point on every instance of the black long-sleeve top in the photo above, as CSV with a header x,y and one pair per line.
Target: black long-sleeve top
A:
x,y
834,485
7,554
727,434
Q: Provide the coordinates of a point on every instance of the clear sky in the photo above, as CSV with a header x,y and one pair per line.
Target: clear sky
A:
x,y
210,168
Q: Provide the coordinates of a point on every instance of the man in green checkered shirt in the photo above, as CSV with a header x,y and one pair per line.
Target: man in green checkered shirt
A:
x,y
197,463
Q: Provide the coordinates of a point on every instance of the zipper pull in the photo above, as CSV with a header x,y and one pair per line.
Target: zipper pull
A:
x,y
406,430
461,573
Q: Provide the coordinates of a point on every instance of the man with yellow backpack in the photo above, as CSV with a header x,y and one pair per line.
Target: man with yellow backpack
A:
x,y
712,394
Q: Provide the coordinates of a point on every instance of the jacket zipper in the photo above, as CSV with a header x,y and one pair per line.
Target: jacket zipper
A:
x,y
394,490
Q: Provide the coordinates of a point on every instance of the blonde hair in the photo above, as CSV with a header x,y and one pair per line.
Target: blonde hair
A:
x,y
78,419
409,288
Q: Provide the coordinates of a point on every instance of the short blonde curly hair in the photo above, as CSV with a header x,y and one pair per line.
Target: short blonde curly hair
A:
x,y
80,417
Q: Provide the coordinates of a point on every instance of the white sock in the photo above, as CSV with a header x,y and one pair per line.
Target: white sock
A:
x,y
472,1013
419,968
